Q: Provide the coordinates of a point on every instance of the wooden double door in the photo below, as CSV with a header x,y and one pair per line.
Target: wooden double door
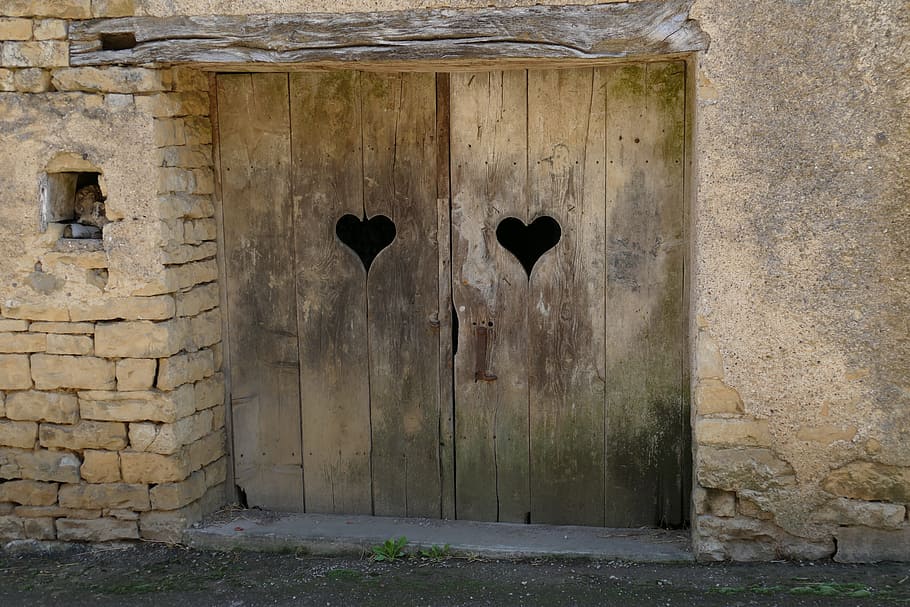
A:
x,y
458,295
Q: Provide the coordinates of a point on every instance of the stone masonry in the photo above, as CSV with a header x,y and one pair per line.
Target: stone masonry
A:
x,y
111,393
112,412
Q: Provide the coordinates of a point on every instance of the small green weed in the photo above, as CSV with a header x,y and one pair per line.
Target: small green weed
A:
x,y
344,574
436,552
390,550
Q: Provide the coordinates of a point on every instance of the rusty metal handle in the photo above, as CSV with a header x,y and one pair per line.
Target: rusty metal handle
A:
x,y
482,338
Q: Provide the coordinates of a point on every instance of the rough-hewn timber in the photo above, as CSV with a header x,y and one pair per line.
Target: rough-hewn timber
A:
x,y
616,30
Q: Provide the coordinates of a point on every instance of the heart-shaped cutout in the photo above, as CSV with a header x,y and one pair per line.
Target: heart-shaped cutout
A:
x,y
366,237
528,242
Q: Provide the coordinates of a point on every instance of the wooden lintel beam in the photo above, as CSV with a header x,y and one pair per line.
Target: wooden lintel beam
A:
x,y
596,32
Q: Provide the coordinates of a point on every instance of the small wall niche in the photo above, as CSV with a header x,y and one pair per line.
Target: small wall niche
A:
x,y
75,199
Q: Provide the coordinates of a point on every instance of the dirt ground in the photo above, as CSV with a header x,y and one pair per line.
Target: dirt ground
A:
x,y
166,576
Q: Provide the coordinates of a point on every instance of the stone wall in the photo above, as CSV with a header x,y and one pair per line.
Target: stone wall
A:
x,y
801,271
111,396
112,414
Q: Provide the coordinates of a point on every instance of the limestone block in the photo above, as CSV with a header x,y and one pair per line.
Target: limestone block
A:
x,y
186,156
28,493
184,253
136,373
870,481
218,353
55,407
34,311
43,53
751,508
113,8
742,432
55,512
110,80
9,325
843,511
15,373
14,527
18,434
2,405
171,496
65,328
53,466
172,180
168,131
198,130
216,472
188,79
168,526
712,396
169,438
735,469
108,495
139,339
709,362
826,433
206,450
198,272
100,466
137,406
185,368
12,28
865,545
210,392
160,307
198,299
171,105
33,80
84,435
743,539
7,84
50,29
205,329
218,413
200,230
124,515
177,204
62,9
22,342
96,530
203,181
52,371
6,508
152,468
70,344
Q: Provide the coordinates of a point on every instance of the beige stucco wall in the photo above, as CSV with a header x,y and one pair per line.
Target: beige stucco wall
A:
x,y
800,273
802,240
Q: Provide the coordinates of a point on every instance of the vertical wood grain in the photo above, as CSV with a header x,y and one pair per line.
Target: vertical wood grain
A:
x,y
646,408
566,299
399,171
255,153
331,287
489,180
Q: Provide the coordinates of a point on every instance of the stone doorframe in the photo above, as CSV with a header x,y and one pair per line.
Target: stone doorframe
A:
x,y
425,40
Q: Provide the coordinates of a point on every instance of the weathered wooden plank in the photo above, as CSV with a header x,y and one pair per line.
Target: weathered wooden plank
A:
x,y
445,316
648,27
566,299
331,287
255,156
646,426
399,170
489,179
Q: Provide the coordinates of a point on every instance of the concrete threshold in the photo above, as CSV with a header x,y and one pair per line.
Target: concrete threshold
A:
x,y
326,534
